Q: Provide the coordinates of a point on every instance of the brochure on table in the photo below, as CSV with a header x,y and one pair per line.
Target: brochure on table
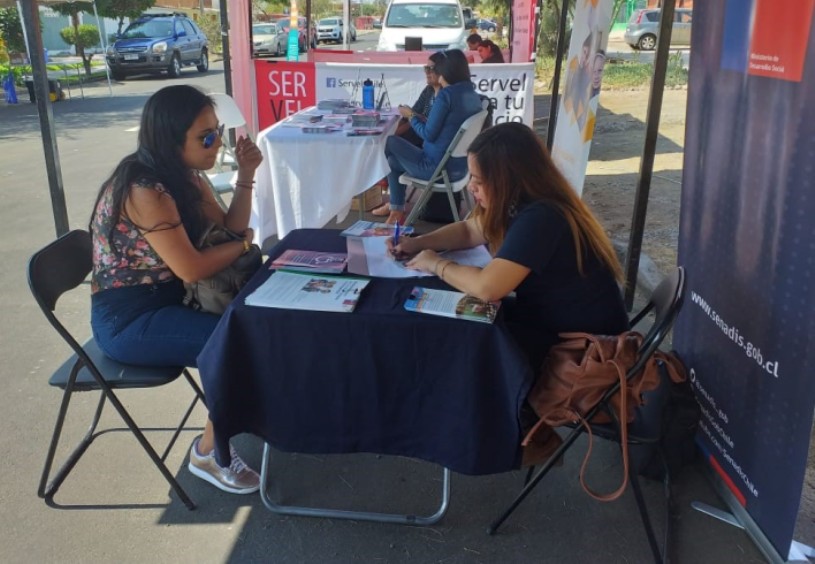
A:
x,y
316,292
364,228
370,257
451,304
311,261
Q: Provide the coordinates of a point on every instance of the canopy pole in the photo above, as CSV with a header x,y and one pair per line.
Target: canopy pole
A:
x,y
104,47
225,43
553,105
632,259
29,14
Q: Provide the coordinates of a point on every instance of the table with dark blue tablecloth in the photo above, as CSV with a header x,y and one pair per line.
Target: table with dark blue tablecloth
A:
x,y
380,379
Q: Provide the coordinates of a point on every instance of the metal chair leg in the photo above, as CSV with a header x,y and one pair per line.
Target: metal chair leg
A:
x,y
46,489
646,521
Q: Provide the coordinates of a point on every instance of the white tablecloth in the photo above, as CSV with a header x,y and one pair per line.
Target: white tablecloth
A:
x,y
308,178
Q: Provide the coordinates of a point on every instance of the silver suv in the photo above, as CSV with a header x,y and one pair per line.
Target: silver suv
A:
x,y
643,28
330,29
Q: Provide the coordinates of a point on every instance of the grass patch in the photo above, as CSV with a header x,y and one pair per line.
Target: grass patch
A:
x,y
619,74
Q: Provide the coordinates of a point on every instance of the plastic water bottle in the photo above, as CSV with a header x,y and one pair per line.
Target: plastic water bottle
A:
x,y
368,94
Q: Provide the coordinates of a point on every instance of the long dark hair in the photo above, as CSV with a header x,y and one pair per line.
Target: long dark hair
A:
x,y
165,120
516,169
452,65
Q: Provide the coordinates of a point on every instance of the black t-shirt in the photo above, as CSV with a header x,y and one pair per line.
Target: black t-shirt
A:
x,y
555,297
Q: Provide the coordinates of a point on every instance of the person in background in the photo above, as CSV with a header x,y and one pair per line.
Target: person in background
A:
x,y
421,109
455,102
490,52
473,41
145,223
547,245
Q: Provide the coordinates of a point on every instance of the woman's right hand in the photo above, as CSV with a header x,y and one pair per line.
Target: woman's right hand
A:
x,y
407,248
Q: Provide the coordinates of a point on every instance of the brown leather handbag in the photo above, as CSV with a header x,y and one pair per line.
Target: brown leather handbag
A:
x,y
577,373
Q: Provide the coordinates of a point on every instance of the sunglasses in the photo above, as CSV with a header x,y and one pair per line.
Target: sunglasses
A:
x,y
429,68
208,140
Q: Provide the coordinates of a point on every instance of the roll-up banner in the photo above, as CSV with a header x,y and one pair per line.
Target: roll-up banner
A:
x,y
577,106
286,88
747,240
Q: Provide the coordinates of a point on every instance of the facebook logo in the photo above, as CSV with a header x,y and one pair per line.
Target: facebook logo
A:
x,y
330,82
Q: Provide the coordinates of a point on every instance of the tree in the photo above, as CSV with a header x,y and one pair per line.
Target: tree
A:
x,y
72,9
82,36
11,29
121,9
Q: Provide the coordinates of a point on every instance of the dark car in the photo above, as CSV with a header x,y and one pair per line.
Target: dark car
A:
x,y
282,41
485,25
158,42
377,23
643,28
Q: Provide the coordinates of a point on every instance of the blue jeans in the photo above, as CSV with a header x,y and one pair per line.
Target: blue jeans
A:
x,y
148,325
405,157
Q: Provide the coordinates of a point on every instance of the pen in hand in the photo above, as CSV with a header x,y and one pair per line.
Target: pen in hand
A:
x,y
396,235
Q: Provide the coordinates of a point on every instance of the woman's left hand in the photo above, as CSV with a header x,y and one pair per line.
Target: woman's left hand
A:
x,y
247,156
406,112
425,261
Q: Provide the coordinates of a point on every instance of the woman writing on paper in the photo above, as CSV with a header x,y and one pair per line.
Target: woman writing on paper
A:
x,y
146,220
454,103
547,246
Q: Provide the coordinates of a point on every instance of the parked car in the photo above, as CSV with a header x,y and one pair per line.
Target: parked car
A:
x,y
282,39
643,28
438,23
485,25
377,23
330,29
264,38
158,42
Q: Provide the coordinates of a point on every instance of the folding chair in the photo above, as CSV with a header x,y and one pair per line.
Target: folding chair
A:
x,y
223,181
439,181
644,431
54,270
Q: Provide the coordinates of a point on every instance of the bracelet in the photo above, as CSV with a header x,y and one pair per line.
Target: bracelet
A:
x,y
248,184
443,268
246,247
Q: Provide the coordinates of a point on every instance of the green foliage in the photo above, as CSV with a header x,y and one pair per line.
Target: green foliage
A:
x,y
86,35
620,75
72,8
212,29
11,29
121,9
550,22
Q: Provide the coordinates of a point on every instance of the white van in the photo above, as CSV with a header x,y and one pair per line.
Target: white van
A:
x,y
439,23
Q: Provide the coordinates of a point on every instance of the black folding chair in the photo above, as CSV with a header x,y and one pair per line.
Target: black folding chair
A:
x,y
52,271
644,431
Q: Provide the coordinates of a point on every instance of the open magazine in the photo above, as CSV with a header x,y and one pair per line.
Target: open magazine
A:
x,y
451,304
311,261
316,292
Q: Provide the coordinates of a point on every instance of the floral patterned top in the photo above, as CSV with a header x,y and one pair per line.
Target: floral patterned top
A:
x,y
127,259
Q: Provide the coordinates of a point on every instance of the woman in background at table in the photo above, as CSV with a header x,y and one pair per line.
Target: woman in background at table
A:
x,y
490,52
421,109
146,221
455,102
547,246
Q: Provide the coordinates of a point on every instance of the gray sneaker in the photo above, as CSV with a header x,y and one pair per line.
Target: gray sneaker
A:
x,y
237,478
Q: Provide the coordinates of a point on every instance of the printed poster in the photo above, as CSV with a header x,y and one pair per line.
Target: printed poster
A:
x,y
577,105
747,241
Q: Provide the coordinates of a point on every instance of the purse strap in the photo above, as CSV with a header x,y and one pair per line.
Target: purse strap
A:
x,y
623,423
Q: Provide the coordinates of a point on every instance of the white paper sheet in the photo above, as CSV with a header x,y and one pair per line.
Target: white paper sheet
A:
x,y
380,263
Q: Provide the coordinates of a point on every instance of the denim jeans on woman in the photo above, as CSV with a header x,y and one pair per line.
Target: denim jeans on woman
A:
x,y
147,325
405,157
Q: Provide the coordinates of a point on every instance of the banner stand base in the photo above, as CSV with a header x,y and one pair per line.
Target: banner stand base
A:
x,y
738,517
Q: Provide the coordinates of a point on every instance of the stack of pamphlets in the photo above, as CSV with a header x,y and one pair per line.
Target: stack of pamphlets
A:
x,y
315,292
311,261
451,304
373,229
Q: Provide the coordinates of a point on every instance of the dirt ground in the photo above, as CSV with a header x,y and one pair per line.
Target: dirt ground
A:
x,y
610,189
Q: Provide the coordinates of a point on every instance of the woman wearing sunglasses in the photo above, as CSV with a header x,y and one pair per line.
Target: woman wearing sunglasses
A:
x,y
454,103
421,109
146,219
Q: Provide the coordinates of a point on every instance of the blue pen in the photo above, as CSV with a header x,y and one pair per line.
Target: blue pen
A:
x,y
396,235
